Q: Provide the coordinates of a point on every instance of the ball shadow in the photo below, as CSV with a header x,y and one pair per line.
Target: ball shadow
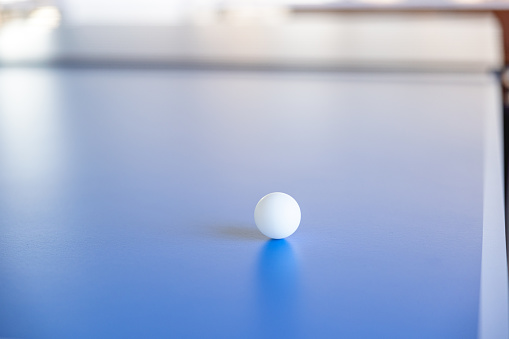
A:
x,y
247,232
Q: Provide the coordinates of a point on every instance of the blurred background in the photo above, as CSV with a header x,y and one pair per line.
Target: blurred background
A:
x,y
348,34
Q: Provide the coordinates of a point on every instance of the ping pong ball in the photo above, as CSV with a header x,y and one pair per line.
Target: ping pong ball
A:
x,y
277,215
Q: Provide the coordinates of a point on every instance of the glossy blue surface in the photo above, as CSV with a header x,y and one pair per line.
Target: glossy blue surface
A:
x,y
127,199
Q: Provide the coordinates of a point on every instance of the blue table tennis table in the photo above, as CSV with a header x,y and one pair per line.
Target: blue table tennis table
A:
x,y
127,200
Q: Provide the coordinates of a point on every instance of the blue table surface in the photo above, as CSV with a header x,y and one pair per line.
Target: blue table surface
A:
x,y
127,200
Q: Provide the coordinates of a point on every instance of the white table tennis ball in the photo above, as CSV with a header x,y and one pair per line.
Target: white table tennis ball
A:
x,y
277,215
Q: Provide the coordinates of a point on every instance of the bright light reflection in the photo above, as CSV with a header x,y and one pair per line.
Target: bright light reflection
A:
x,y
33,180
47,16
20,42
31,139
